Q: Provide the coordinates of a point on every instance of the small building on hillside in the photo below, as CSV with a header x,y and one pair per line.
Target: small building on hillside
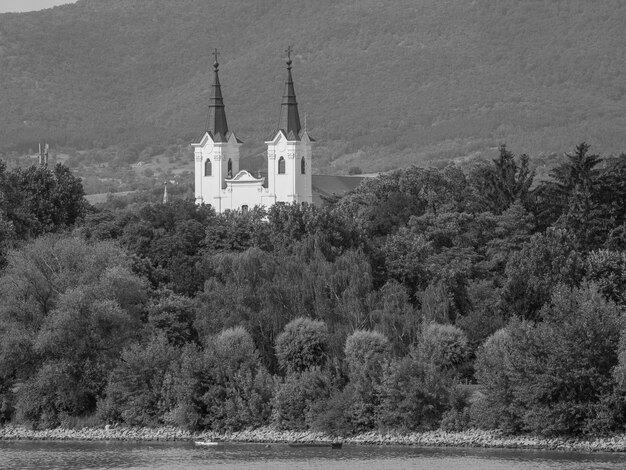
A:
x,y
219,180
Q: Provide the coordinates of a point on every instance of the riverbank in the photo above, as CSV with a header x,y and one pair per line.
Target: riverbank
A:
x,y
471,438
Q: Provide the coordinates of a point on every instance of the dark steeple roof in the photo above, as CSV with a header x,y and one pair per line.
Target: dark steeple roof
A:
x,y
216,123
289,121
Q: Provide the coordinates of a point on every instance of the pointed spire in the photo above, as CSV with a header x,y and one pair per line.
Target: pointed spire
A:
x,y
217,125
289,117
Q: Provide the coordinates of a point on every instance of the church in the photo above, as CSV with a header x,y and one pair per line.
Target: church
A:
x,y
220,182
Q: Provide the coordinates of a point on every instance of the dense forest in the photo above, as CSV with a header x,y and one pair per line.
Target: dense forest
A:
x,y
426,298
384,84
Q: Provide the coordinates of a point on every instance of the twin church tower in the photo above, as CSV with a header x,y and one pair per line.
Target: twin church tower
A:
x,y
218,178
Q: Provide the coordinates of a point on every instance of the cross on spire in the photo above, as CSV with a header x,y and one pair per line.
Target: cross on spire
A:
x,y
289,50
215,54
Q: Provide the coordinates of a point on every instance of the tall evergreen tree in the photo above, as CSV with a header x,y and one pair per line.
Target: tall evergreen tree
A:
x,y
498,185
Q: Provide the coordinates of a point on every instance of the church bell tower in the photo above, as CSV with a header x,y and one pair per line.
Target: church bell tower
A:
x,y
289,151
216,155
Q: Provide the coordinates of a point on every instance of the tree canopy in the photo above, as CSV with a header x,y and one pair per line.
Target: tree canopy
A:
x,y
425,298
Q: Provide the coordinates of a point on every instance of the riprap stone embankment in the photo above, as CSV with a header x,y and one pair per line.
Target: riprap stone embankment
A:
x,y
470,438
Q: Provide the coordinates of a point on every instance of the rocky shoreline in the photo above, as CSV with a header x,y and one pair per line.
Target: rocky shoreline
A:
x,y
470,438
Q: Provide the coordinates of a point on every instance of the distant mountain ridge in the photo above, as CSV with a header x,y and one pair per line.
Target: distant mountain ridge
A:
x,y
382,84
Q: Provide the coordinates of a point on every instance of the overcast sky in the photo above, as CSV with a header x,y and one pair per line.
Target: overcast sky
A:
x,y
29,5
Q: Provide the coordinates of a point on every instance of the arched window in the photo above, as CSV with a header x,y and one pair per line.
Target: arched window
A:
x,y
230,168
303,166
244,209
281,166
208,170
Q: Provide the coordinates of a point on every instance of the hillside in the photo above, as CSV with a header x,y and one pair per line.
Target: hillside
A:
x,y
383,84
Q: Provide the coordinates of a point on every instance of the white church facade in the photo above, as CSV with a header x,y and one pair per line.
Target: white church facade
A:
x,y
220,182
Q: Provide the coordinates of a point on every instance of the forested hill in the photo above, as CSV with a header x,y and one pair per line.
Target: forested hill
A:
x,y
383,83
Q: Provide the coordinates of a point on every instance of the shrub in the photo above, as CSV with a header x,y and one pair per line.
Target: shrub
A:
x,y
49,395
332,416
302,345
224,387
135,392
235,346
457,417
558,376
236,400
563,367
366,352
413,394
366,349
495,408
7,404
444,346
296,397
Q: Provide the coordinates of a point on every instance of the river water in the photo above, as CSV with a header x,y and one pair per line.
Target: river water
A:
x,y
174,456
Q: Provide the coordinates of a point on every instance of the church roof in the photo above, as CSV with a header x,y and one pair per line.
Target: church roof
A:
x,y
217,125
289,121
290,136
289,117
218,137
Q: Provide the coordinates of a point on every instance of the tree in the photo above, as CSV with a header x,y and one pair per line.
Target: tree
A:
x,y
414,390
365,350
444,346
512,229
51,395
7,233
395,316
223,387
167,237
505,181
413,395
546,260
6,237
67,309
238,387
380,206
571,200
235,347
560,370
302,345
485,318
236,293
235,232
611,194
607,269
495,409
405,258
39,200
439,249
264,291
290,224
349,282
366,353
299,397
136,391
173,315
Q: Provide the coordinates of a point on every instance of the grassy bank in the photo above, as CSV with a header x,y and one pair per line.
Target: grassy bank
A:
x,y
471,438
